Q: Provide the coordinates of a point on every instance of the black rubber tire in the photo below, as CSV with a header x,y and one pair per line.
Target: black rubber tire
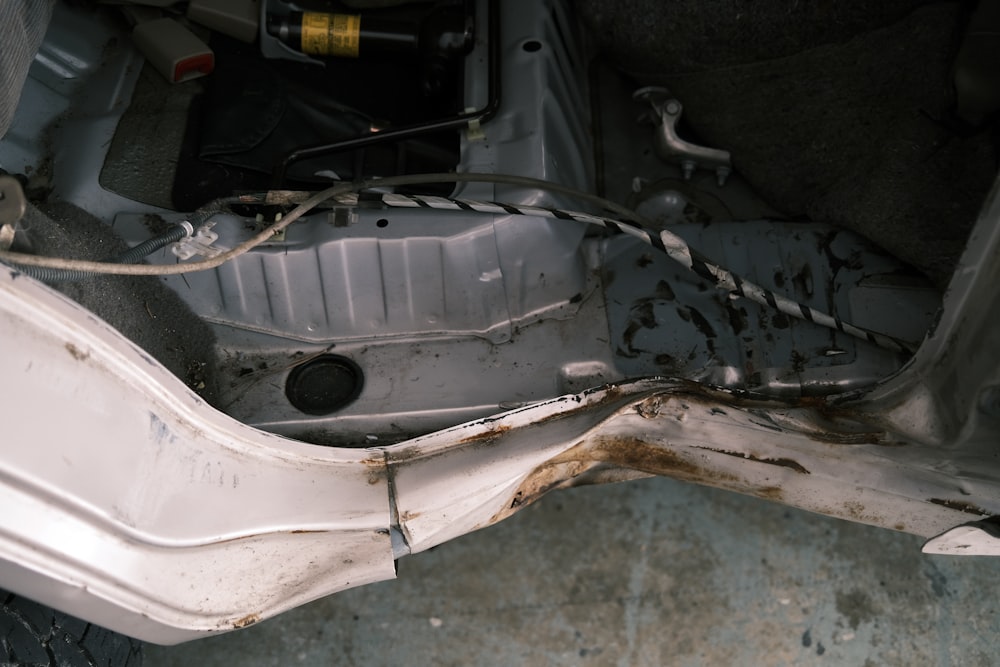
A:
x,y
35,635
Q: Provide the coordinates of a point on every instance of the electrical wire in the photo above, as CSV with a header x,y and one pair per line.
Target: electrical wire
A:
x,y
303,208
631,223
267,234
133,255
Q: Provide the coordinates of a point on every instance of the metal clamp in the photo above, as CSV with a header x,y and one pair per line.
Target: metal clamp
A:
x,y
197,242
670,147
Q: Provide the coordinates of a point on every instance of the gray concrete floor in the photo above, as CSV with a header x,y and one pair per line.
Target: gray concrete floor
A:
x,y
654,572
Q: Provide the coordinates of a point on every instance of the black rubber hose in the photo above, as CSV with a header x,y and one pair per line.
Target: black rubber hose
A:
x,y
133,255
137,253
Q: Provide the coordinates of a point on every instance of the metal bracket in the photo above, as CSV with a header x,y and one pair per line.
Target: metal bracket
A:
x,y
670,147
12,201
12,207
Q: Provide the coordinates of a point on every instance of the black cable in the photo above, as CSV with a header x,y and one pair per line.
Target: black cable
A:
x,y
133,255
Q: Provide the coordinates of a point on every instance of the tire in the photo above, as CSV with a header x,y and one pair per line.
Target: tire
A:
x,y
37,636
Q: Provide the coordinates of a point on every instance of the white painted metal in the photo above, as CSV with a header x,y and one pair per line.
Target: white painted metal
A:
x,y
135,505
130,502
123,491
973,539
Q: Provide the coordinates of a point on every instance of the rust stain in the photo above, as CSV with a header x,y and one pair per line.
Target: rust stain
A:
x,y
306,532
845,427
858,512
409,453
247,620
769,493
650,408
960,505
820,402
485,437
900,526
824,407
77,353
622,452
829,438
410,516
854,509
552,418
631,452
782,462
611,392
577,464
518,499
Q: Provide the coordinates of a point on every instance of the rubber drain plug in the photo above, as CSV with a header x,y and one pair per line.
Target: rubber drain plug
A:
x,y
324,385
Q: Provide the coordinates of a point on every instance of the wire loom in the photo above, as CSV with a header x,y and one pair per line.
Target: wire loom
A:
x,y
667,242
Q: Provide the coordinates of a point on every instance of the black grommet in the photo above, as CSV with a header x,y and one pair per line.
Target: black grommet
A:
x,y
324,385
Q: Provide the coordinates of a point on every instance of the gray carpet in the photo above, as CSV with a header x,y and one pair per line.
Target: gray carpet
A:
x,y
142,308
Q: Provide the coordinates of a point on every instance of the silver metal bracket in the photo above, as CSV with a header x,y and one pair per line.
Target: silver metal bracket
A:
x,y
12,201
670,147
12,207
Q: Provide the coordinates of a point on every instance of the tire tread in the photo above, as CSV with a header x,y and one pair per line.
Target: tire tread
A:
x,y
34,635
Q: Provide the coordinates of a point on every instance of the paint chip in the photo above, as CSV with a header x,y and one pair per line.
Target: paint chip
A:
x,y
436,622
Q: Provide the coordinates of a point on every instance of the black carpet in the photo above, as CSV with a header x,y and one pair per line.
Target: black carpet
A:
x,y
833,111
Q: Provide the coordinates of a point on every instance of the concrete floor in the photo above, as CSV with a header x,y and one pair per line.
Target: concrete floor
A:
x,y
654,572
